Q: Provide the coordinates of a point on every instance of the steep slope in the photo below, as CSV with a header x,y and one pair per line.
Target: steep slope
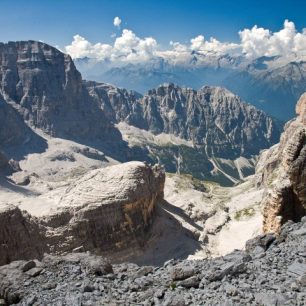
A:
x,y
282,170
107,211
44,86
272,271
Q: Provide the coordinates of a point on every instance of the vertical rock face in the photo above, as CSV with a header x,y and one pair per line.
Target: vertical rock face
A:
x,y
44,86
285,177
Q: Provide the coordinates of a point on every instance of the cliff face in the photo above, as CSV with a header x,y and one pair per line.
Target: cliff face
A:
x,y
107,211
285,174
44,86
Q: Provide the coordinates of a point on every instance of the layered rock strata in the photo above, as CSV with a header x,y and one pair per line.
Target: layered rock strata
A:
x,y
283,172
44,86
106,211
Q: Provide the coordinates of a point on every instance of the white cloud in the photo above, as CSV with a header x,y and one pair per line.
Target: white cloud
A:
x,y
254,42
117,22
259,41
127,47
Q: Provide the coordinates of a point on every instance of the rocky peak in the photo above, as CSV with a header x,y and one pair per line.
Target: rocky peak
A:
x,y
211,116
301,109
43,84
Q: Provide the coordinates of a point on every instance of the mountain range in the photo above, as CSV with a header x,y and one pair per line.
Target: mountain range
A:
x,y
209,133
272,84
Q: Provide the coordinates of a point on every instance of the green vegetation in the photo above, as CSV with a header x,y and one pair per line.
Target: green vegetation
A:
x,y
172,286
246,212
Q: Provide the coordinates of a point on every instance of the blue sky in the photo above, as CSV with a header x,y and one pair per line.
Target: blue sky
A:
x,y
57,21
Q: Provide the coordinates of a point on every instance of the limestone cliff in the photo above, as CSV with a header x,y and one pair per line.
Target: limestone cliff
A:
x,y
283,172
44,86
211,117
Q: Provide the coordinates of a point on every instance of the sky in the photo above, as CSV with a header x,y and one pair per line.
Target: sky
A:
x,y
100,23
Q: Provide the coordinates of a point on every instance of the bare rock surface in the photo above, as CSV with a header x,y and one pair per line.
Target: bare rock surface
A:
x,y
107,209
20,235
271,272
284,174
104,211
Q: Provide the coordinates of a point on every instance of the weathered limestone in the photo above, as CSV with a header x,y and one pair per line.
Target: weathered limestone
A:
x,y
285,174
106,211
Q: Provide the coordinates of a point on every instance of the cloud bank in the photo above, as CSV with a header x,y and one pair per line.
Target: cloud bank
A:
x,y
254,42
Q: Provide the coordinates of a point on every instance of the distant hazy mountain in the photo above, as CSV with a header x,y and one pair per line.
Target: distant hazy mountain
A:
x,y
271,83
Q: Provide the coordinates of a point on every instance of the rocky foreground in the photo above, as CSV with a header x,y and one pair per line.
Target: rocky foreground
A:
x,y
272,271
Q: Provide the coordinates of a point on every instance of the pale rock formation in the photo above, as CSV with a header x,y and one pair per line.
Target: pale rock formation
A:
x,y
283,172
106,211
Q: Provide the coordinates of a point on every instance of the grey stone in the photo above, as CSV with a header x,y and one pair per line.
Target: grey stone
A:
x,y
28,265
34,271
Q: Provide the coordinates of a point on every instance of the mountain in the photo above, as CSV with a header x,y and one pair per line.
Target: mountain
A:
x,y
273,89
209,133
212,127
43,85
272,84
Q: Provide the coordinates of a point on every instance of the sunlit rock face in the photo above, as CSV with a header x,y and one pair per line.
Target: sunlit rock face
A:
x,y
284,174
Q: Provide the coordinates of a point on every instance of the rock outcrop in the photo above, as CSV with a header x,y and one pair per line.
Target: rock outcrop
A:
x,y
271,272
107,211
20,235
284,174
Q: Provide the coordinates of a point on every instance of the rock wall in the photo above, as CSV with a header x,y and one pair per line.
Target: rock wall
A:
x,y
43,84
108,209
284,174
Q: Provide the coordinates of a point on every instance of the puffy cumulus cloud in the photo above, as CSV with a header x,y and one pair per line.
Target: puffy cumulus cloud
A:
x,y
127,47
117,22
130,47
80,47
213,45
258,41
254,42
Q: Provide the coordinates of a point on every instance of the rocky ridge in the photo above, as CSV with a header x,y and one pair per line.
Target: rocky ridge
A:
x,y
272,271
282,170
212,117
42,93
41,87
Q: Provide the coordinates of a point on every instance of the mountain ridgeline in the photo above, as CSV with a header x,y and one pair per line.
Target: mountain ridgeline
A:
x,y
272,84
209,129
